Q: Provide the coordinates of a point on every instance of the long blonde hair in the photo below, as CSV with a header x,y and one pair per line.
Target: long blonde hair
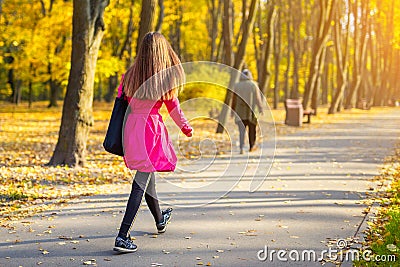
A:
x,y
157,72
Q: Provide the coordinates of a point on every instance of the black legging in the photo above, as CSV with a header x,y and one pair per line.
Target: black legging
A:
x,y
143,182
242,132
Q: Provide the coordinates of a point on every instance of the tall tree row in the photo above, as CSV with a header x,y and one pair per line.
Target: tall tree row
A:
x,y
296,48
338,53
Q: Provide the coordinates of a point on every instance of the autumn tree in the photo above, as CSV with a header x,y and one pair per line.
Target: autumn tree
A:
x,y
264,43
235,60
360,11
327,10
117,44
87,31
342,52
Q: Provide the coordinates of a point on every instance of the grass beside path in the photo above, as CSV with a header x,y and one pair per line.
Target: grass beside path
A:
x,y
383,234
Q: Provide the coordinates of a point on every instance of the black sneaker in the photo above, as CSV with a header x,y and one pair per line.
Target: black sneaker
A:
x,y
162,226
124,245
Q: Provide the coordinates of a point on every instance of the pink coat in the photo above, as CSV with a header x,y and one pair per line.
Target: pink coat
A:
x,y
147,146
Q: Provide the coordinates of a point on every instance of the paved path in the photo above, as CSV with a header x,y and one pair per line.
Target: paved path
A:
x,y
312,194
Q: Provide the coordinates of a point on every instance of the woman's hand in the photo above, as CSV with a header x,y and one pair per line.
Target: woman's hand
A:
x,y
187,130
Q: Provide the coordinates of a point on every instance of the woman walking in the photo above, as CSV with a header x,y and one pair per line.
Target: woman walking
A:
x,y
245,98
152,80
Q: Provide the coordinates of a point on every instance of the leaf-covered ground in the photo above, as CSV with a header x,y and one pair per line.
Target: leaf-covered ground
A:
x,y
27,140
383,233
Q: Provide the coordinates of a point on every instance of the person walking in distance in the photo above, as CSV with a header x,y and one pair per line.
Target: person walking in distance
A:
x,y
245,98
153,80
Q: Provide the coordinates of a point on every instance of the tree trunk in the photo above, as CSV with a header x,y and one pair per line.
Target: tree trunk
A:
x,y
128,39
289,55
376,66
317,86
112,88
17,92
30,94
146,19
215,12
127,46
342,64
360,47
11,82
175,29
87,32
53,88
238,62
227,33
160,15
295,24
54,93
328,74
277,60
263,66
99,96
328,8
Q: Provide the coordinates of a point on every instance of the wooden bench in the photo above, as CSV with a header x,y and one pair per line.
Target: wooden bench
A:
x,y
308,113
362,104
